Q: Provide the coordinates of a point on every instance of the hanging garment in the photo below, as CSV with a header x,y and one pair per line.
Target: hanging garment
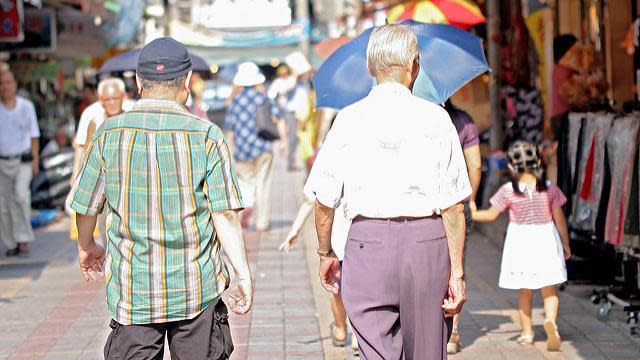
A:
x,y
526,122
590,171
601,217
621,145
631,234
569,147
575,126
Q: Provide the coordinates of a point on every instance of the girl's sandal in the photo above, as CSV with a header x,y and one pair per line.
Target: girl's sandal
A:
x,y
525,340
553,337
336,342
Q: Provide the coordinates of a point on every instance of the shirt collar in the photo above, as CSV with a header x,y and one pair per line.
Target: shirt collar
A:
x,y
157,104
390,88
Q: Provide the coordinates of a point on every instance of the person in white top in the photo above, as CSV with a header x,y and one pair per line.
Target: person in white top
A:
x,y
60,141
19,148
112,101
396,164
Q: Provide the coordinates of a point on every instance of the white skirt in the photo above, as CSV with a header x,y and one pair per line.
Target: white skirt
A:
x,y
532,257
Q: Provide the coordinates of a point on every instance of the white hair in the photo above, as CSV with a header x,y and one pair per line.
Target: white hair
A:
x,y
391,48
111,83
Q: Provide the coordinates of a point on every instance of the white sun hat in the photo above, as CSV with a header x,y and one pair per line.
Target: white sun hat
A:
x,y
248,75
298,63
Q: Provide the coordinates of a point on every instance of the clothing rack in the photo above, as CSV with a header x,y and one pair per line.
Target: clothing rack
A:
x,y
602,182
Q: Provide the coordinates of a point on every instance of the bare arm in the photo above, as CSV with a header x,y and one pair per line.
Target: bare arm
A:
x,y
329,263
561,224
474,168
488,215
282,130
324,224
78,154
303,214
35,151
229,230
227,224
86,225
455,228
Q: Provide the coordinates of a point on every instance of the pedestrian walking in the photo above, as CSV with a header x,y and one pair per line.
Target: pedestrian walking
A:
x,y
173,199
19,150
300,125
468,134
253,154
281,92
537,241
396,163
112,101
339,233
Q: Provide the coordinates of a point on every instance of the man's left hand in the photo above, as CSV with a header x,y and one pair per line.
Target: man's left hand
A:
x,y
35,168
330,272
457,295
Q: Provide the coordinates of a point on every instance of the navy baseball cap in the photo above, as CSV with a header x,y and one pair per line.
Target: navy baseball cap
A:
x,y
163,59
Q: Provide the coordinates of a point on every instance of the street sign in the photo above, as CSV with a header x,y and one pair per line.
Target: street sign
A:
x,y
241,14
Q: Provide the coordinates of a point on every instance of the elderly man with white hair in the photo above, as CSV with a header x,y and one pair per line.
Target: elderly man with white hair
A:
x,y
395,163
112,101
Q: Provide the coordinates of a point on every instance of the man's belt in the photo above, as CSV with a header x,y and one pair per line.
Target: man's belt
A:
x,y
400,219
11,157
24,157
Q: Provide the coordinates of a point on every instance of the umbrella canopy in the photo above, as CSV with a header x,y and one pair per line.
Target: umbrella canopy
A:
x,y
129,62
459,13
449,58
328,46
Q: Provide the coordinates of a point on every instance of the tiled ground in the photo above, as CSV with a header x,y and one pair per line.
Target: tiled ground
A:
x,y
48,312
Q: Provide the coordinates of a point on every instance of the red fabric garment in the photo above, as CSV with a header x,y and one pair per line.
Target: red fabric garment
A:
x,y
585,191
620,225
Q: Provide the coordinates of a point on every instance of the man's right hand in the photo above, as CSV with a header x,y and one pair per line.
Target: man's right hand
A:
x,y
241,295
330,272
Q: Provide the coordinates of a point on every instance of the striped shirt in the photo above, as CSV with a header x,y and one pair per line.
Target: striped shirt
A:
x,y
161,173
531,207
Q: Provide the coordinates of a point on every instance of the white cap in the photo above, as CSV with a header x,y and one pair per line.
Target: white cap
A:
x,y
248,75
298,63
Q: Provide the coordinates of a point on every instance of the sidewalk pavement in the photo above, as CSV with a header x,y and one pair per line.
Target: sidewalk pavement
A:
x,y
49,312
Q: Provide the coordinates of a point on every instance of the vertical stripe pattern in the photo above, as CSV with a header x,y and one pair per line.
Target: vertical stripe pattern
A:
x,y
165,173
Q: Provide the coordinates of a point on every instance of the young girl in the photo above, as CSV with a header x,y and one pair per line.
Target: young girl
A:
x,y
537,241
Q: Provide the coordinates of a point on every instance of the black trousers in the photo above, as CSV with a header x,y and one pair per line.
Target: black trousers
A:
x,y
206,336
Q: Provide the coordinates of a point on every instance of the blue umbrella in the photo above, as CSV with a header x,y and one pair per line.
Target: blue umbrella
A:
x,y
449,58
129,62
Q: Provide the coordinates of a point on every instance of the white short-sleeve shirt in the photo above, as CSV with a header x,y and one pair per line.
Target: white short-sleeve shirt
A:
x,y
17,127
389,155
96,113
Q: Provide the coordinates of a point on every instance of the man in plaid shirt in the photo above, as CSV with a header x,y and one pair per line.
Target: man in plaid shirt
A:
x,y
172,198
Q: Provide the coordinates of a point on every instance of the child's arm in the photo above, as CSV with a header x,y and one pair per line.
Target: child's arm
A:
x,y
563,230
488,215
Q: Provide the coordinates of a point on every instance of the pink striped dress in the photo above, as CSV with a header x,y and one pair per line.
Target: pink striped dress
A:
x,y
532,257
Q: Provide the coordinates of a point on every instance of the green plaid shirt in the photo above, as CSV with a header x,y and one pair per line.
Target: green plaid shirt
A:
x,y
161,173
